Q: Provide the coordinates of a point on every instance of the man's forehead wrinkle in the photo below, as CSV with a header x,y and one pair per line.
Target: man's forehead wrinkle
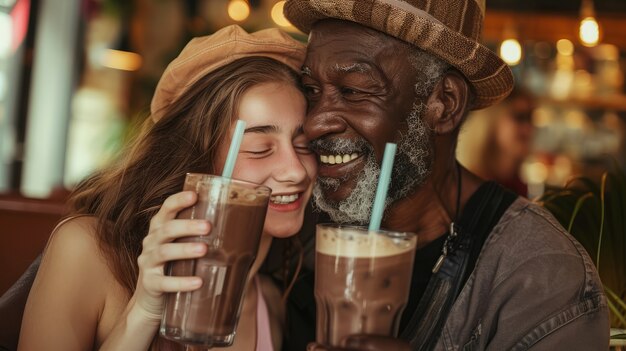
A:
x,y
333,53
374,73
352,67
341,68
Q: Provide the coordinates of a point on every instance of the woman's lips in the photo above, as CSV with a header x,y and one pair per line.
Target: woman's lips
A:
x,y
287,207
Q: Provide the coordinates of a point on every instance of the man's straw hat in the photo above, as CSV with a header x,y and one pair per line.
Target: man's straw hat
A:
x,y
448,29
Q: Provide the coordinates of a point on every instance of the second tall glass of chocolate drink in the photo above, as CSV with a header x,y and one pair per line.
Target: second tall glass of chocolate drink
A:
x,y
208,316
362,281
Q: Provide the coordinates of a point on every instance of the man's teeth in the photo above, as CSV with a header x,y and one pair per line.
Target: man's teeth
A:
x,y
284,199
335,159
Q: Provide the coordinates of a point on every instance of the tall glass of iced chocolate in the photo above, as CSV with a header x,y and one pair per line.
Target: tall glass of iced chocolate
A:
x,y
362,281
208,316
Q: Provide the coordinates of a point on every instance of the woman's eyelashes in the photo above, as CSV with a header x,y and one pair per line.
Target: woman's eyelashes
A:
x,y
301,144
257,152
257,145
263,149
304,150
300,149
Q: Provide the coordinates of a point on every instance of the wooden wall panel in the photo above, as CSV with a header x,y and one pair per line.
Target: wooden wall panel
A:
x,y
25,225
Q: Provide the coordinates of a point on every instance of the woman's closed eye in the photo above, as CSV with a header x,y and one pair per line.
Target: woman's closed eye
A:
x,y
301,143
303,149
257,152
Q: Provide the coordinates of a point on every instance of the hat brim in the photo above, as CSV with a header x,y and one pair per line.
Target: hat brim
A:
x,y
490,77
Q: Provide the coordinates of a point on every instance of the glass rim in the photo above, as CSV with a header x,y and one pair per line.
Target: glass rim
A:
x,y
226,181
364,230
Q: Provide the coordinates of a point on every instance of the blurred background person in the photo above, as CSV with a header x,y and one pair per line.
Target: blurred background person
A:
x,y
495,142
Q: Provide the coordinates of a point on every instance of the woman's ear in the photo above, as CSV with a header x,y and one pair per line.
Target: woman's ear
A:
x,y
447,104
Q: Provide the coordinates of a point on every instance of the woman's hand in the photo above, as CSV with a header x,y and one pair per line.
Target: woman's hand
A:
x,y
159,248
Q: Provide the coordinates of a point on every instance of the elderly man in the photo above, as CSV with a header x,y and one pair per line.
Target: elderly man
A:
x,y
493,272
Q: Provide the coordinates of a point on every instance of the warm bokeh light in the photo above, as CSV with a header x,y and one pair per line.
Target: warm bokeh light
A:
x,y
583,84
564,65
563,79
535,172
565,47
561,170
238,10
277,15
511,51
6,34
542,117
122,60
577,120
589,31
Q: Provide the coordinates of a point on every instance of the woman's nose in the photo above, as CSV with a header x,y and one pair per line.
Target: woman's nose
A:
x,y
290,167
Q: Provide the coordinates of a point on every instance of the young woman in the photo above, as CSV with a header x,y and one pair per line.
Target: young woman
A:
x,y
101,283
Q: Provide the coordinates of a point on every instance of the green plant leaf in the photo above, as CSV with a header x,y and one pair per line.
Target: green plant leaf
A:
x,y
615,313
551,195
585,183
595,214
603,188
579,204
617,298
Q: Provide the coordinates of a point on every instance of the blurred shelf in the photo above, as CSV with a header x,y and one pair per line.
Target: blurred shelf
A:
x,y
551,27
25,225
615,102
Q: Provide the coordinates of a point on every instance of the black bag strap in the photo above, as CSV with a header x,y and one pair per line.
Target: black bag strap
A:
x,y
489,203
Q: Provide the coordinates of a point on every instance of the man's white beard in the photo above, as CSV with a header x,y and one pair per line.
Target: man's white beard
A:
x,y
412,166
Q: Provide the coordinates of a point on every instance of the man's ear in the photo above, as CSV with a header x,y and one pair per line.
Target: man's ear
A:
x,y
448,102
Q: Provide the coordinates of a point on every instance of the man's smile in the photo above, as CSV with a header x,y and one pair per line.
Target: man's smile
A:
x,y
337,159
343,170
340,157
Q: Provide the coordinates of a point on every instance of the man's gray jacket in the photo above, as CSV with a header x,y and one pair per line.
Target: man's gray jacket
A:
x,y
533,287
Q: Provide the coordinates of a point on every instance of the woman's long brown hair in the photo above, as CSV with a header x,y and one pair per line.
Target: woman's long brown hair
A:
x,y
127,195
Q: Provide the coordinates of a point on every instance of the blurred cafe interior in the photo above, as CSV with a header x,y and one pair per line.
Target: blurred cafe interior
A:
x,y
76,78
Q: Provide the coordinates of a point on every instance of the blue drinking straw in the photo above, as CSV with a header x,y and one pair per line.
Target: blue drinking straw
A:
x,y
383,186
233,150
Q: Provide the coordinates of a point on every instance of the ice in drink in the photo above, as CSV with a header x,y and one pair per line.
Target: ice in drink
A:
x,y
362,281
208,316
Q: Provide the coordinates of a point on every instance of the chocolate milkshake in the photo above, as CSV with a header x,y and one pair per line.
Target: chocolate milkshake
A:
x,y
362,281
208,316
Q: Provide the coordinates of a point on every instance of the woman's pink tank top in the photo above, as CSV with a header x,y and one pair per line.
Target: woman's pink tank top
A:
x,y
263,334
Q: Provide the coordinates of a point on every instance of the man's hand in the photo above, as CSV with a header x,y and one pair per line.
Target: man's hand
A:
x,y
365,343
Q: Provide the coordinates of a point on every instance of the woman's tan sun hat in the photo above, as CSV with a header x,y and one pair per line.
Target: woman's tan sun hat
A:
x,y
448,29
203,55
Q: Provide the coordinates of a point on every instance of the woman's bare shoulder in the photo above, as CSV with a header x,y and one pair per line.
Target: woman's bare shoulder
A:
x,y
73,251
76,225
70,290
